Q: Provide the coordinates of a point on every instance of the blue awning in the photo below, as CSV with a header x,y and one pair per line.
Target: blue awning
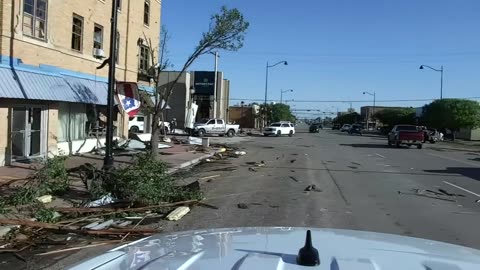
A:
x,y
88,91
36,85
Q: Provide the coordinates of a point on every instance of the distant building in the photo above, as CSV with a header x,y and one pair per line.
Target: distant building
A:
x,y
246,116
198,86
367,113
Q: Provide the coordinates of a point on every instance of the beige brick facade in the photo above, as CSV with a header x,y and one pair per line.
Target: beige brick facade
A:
x,y
56,49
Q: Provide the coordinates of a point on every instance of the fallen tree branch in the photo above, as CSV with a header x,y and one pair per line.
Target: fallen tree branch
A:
x,y
75,229
77,248
120,210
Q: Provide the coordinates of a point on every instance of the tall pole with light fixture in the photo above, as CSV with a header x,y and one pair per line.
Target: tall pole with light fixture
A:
x,y
373,95
281,94
441,77
215,85
266,88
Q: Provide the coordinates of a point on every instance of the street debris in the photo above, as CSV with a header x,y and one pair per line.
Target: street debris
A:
x,y
104,200
477,201
210,177
178,213
294,179
426,193
450,194
355,163
252,169
45,199
242,206
293,161
312,188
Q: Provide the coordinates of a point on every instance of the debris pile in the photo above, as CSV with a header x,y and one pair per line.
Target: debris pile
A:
x,y
52,209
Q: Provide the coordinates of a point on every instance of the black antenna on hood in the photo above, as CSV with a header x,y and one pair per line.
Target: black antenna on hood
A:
x,y
308,255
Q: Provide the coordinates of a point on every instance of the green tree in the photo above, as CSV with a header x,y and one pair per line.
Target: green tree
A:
x,y
395,116
349,118
452,114
277,112
226,32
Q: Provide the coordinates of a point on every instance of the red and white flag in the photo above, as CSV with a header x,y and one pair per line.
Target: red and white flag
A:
x,y
128,97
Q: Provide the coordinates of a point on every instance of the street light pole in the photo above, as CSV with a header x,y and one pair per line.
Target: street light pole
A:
x,y
441,77
108,160
266,86
281,94
374,99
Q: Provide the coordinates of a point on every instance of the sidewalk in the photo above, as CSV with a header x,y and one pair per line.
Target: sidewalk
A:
x,y
177,157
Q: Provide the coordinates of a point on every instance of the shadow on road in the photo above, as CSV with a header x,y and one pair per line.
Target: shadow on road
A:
x,y
366,145
473,173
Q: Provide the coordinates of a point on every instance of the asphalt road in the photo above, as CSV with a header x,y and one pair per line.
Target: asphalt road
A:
x,y
358,180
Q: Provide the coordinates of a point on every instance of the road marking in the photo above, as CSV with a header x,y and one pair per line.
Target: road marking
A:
x,y
454,159
380,155
461,188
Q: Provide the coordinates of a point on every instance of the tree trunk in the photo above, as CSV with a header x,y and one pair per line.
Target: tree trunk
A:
x,y
155,133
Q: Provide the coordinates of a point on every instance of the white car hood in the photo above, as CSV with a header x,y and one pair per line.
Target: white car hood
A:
x,y
277,248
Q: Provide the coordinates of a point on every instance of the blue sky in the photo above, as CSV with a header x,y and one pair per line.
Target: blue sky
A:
x,y
336,49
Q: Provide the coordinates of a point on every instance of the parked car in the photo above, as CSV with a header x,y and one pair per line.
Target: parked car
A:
x,y
314,128
214,126
355,129
406,135
137,124
336,127
345,128
280,128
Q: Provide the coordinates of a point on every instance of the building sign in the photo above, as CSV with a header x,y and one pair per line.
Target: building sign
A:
x,y
204,82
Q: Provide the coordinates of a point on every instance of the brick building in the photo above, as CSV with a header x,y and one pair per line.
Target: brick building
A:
x,y
51,87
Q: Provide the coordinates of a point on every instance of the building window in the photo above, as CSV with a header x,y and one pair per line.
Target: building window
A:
x,y
98,37
117,48
146,13
35,18
72,118
144,59
77,32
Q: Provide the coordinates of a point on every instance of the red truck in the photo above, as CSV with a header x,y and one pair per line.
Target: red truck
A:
x,y
407,135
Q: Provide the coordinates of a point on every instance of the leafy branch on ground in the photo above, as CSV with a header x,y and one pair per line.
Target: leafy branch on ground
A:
x,y
51,178
145,182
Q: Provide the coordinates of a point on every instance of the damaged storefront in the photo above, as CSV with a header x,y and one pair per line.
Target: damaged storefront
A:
x,y
45,113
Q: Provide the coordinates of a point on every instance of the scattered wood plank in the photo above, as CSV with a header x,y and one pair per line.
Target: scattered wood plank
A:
x,y
210,177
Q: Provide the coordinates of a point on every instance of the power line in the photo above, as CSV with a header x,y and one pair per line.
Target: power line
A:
x,y
353,101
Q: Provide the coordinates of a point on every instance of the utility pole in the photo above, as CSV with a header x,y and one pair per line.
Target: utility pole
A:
x,y
108,160
215,87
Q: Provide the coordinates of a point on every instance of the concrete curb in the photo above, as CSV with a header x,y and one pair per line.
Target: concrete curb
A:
x,y
189,163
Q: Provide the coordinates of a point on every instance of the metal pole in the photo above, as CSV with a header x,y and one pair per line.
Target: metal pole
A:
x,y
108,160
265,102
215,87
281,96
441,82
373,118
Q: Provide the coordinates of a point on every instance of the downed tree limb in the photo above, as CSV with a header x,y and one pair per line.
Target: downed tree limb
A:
x,y
120,210
36,224
75,229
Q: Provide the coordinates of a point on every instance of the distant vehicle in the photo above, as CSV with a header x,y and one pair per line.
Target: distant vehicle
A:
x,y
336,127
432,135
345,128
355,129
214,126
314,128
137,124
407,135
280,128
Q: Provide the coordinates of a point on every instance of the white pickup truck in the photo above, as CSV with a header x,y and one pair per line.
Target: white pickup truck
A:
x,y
214,126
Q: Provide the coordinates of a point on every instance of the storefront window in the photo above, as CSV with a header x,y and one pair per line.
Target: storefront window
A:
x,y
72,120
